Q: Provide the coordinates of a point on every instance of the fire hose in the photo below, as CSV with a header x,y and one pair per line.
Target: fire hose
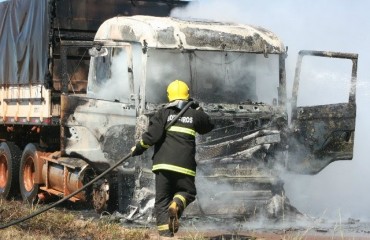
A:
x,y
91,182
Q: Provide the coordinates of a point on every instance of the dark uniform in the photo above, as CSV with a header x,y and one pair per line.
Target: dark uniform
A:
x,y
174,157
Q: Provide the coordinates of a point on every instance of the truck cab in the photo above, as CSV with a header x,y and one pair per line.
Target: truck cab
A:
x,y
237,74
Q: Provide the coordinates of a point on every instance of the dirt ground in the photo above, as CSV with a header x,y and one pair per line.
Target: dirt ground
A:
x,y
349,230
263,235
266,235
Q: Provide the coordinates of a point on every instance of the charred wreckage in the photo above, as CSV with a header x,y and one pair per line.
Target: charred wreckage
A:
x,y
75,106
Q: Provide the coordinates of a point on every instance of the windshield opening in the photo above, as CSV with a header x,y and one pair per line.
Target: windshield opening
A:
x,y
109,72
214,77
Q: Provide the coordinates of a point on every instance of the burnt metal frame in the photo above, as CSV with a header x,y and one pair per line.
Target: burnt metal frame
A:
x,y
64,45
301,54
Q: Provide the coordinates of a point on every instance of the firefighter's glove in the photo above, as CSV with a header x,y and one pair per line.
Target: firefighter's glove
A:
x,y
196,106
139,148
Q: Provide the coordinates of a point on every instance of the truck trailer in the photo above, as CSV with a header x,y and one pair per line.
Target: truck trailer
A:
x,y
59,130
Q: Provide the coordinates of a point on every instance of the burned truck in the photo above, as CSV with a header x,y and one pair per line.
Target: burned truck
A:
x,y
236,72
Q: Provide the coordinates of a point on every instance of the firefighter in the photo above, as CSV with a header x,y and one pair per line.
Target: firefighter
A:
x,y
174,163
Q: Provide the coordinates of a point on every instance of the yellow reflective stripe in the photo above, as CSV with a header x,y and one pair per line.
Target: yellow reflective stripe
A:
x,y
143,144
182,130
183,200
163,227
169,167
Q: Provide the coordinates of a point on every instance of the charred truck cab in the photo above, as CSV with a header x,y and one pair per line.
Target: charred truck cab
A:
x,y
237,74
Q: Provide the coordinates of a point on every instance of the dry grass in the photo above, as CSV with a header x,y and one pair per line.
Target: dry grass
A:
x,y
63,224
59,224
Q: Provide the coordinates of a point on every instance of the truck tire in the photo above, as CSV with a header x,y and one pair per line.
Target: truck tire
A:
x,y
9,168
27,186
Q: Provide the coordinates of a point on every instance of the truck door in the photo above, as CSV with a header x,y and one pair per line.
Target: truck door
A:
x,y
100,126
323,110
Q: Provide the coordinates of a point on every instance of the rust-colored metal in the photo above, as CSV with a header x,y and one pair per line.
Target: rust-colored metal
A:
x,y
62,176
28,174
39,162
62,179
44,196
3,171
65,181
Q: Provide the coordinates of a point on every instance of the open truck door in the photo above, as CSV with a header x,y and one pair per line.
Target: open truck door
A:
x,y
323,110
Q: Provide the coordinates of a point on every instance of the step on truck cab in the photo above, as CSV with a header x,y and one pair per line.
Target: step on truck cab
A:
x,y
237,74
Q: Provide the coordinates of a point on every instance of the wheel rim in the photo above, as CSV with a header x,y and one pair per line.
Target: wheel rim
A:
x,y
28,173
3,171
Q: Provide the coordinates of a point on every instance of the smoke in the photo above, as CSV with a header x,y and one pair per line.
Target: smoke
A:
x,y
341,189
329,80
116,87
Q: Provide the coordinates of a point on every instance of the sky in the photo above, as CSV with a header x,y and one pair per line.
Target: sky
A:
x,y
341,190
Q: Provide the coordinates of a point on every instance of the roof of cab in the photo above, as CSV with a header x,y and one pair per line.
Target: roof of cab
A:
x,y
169,32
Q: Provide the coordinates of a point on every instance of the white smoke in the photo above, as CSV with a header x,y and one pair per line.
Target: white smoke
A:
x,y
116,87
327,79
341,189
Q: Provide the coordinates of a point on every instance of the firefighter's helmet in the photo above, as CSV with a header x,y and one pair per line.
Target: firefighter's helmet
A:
x,y
177,90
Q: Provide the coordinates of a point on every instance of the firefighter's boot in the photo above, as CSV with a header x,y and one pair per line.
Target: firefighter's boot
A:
x,y
173,217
